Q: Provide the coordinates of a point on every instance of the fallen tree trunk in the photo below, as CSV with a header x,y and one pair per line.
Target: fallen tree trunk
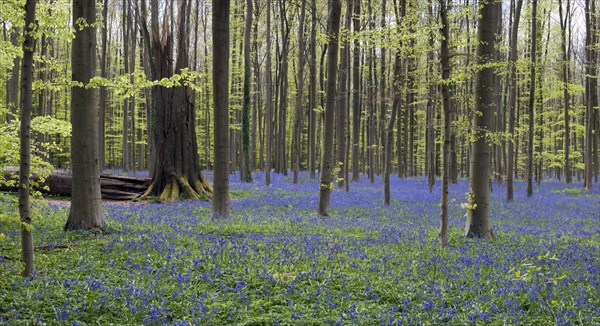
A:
x,y
113,187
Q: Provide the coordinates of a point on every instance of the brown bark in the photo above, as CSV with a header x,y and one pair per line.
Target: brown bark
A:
x,y
312,92
245,171
445,63
531,107
268,100
356,109
342,103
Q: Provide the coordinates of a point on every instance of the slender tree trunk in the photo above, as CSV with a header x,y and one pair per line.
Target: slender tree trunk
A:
x,y
512,80
591,91
103,90
86,201
445,61
478,218
430,114
356,112
342,102
390,130
268,100
220,23
245,171
25,137
312,92
296,148
326,182
283,90
12,86
532,98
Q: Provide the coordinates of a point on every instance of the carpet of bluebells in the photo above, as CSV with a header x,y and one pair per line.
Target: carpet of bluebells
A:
x,y
276,262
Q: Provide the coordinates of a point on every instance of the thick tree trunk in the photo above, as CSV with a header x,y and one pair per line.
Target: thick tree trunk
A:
x,y
512,80
177,167
25,138
220,21
326,182
86,202
245,171
478,218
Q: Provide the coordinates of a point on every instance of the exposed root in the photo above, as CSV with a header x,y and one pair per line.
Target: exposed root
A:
x,y
148,192
189,191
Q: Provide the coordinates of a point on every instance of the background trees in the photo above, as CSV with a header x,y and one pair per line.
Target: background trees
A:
x,y
160,56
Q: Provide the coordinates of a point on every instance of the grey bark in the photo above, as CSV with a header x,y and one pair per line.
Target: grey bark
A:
x,y
326,182
86,202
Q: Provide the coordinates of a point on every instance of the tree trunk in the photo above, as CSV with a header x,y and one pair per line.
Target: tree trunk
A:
x,y
591,91
512,80
390,130
342,103
103,92
296,148
177,167
445,61
326,182
478,218
245,171
220,23
86,202
430,114
356,112
532,98
12,86
312,92
25,138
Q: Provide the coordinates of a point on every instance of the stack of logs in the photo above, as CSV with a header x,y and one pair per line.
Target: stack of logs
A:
x,y
113,187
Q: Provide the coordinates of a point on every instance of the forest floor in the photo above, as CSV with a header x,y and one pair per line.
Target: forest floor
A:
x,y
275,261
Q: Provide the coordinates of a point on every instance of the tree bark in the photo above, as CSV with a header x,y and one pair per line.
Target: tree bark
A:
x,y
103,90
512,80
86,202
268,100
326,182
25,138
531,108
478,218
342,102
591,91
220,21
245,171
312,92
296,148
356,111
445,63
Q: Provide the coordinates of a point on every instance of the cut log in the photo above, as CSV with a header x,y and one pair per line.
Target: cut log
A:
x,y
113,187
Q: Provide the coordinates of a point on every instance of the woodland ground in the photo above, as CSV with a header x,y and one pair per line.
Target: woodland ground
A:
x,y
275,262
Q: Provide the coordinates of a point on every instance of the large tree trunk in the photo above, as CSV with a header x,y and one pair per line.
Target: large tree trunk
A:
x,y
326,182
512,80
177,167
479,223
220,21
531,108
25,137
245,171
86,202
